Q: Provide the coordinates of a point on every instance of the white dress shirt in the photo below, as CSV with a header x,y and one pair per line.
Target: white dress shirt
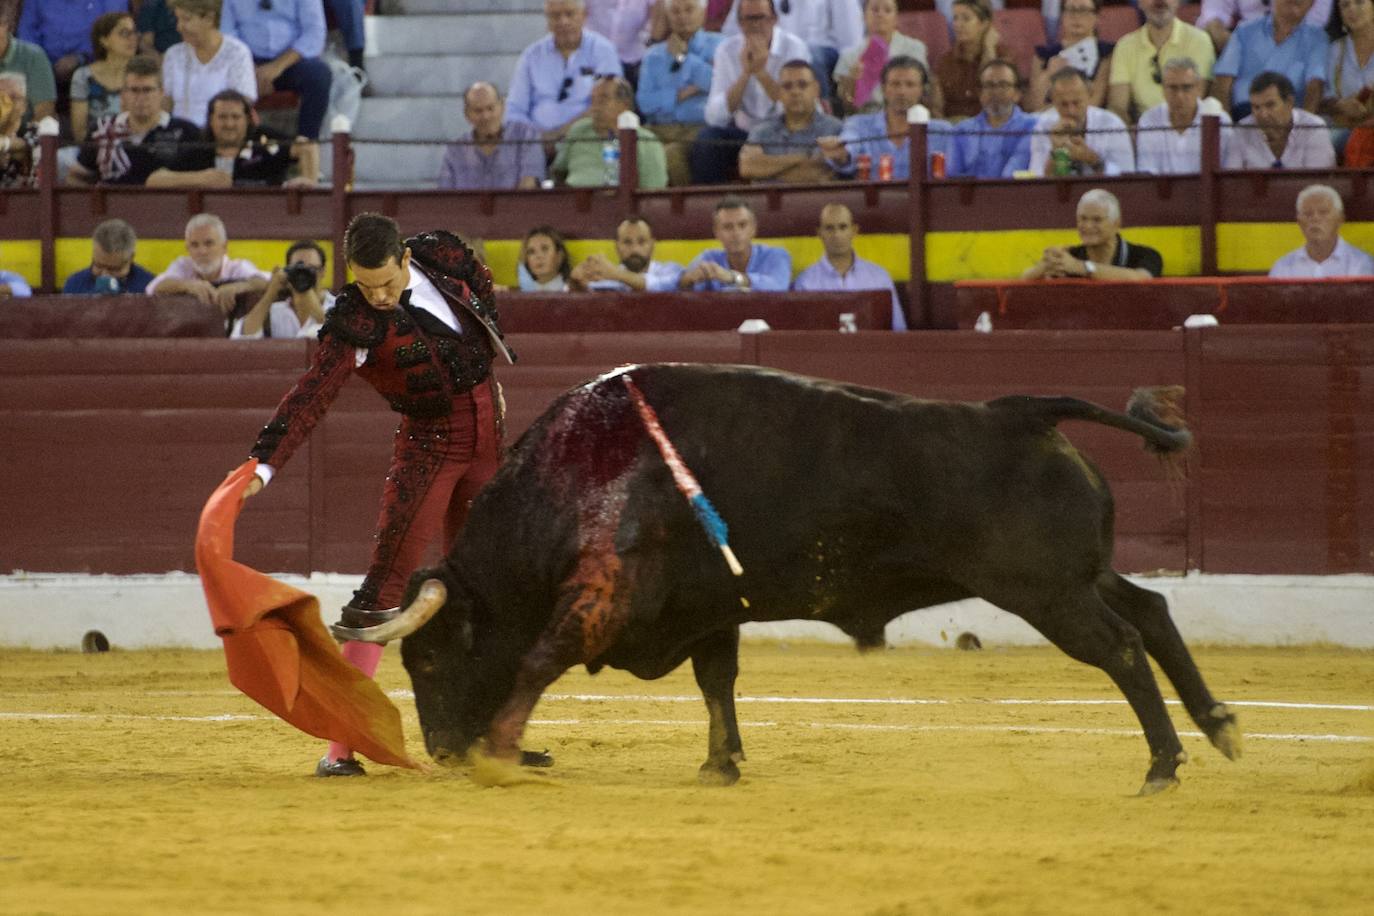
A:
x,y
820,23
1345,261
1308,147
1106,135
1161,150
755,105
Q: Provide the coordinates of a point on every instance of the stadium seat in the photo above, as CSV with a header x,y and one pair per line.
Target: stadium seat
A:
x,y
929,26
1115,21
1021,30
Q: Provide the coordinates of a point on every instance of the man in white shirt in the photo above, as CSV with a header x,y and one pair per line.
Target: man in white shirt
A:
x,y
744,89
827,27
637,270
1095,140
1168,139
1277,134
206,271
1324,253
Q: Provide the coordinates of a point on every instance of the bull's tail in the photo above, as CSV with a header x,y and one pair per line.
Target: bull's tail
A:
x,y
1153,414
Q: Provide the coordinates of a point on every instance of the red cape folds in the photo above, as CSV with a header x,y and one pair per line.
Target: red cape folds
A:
x,y
276,647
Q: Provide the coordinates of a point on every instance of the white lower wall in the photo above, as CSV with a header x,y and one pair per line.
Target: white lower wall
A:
x,y
139,612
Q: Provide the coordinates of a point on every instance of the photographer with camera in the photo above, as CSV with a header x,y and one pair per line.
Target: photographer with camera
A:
x,y
293,305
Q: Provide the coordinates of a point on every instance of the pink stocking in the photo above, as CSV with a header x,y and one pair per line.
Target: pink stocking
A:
x,y
365,656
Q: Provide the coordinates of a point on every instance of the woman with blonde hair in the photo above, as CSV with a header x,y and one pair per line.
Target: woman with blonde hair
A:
x,y
976,42
206,61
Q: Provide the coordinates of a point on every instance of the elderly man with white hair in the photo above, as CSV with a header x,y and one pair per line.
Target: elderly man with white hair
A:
x,y
1324,253
206,271
1104,254
1168,138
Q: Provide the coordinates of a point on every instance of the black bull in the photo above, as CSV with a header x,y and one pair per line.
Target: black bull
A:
x,y
844,504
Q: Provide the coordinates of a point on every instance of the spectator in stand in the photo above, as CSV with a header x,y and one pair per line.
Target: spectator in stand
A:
x,y
784,147
976,41
1104,254
581,159
630,25
142,138
544,263
1278,42
495,154
1096,141
112,269
1324,253
840,269
1349,91
350,18
157,27
238,152
12,285
859,70
637,270
206,271
205,62
1277,134
96,86
286,39
744,89
295,300
1137,62
996,143
18,138
62,28
1168,139
739,264
552,85
826,26
1078,47
886,133
674,82
19,56
1219,18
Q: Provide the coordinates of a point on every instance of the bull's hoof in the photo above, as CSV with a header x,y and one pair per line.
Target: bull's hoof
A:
x,y
536,758
718,774
1223,731
1158,785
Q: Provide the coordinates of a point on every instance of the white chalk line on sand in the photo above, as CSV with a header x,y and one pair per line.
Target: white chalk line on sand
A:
x,y
696,724
837,701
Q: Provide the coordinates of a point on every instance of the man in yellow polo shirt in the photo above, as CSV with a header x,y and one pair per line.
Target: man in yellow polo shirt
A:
x,y
1135,84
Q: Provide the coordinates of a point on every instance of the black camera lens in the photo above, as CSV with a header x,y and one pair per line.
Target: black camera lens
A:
x,y
301,277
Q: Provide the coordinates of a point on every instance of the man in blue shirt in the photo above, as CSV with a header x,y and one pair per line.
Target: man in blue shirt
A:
x,y
287,39
674,82
996,142
738,264
493,154
112,267
62,28
552,85
1280,42
904,85
840,269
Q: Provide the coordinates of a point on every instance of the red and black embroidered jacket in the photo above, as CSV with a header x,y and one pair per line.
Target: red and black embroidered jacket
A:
x,y
413,360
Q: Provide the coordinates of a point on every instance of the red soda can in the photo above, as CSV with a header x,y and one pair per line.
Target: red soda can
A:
x,y
863,168
937,165
885,167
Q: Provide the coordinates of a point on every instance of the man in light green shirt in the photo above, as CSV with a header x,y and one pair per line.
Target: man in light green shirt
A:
x,y
17,56
1135,84
581,156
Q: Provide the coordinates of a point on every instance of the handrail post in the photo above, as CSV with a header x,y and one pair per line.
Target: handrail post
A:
x,y
627,131
1207,192
47,203
917,289
341,185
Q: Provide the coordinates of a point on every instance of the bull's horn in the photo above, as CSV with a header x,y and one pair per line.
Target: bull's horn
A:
x,y
428,600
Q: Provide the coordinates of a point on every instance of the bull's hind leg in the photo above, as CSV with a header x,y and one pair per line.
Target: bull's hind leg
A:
x,y
1148,612
1086,629
715,662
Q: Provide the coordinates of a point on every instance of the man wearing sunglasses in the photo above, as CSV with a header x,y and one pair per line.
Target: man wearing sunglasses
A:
x,y
1136,81
674,81
552,85
1280,42
287,39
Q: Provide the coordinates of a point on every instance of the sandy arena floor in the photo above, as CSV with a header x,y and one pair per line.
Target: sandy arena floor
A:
x,y
141,782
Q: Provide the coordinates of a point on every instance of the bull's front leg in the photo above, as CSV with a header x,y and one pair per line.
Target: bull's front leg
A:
x,y
715,662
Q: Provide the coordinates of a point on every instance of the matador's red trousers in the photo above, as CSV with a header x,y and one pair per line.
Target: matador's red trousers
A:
x,y
437,467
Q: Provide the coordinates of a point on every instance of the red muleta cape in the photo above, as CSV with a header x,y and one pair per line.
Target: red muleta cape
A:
x,y
276,647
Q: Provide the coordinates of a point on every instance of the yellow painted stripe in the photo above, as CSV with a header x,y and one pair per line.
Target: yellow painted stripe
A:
x,y
23,257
